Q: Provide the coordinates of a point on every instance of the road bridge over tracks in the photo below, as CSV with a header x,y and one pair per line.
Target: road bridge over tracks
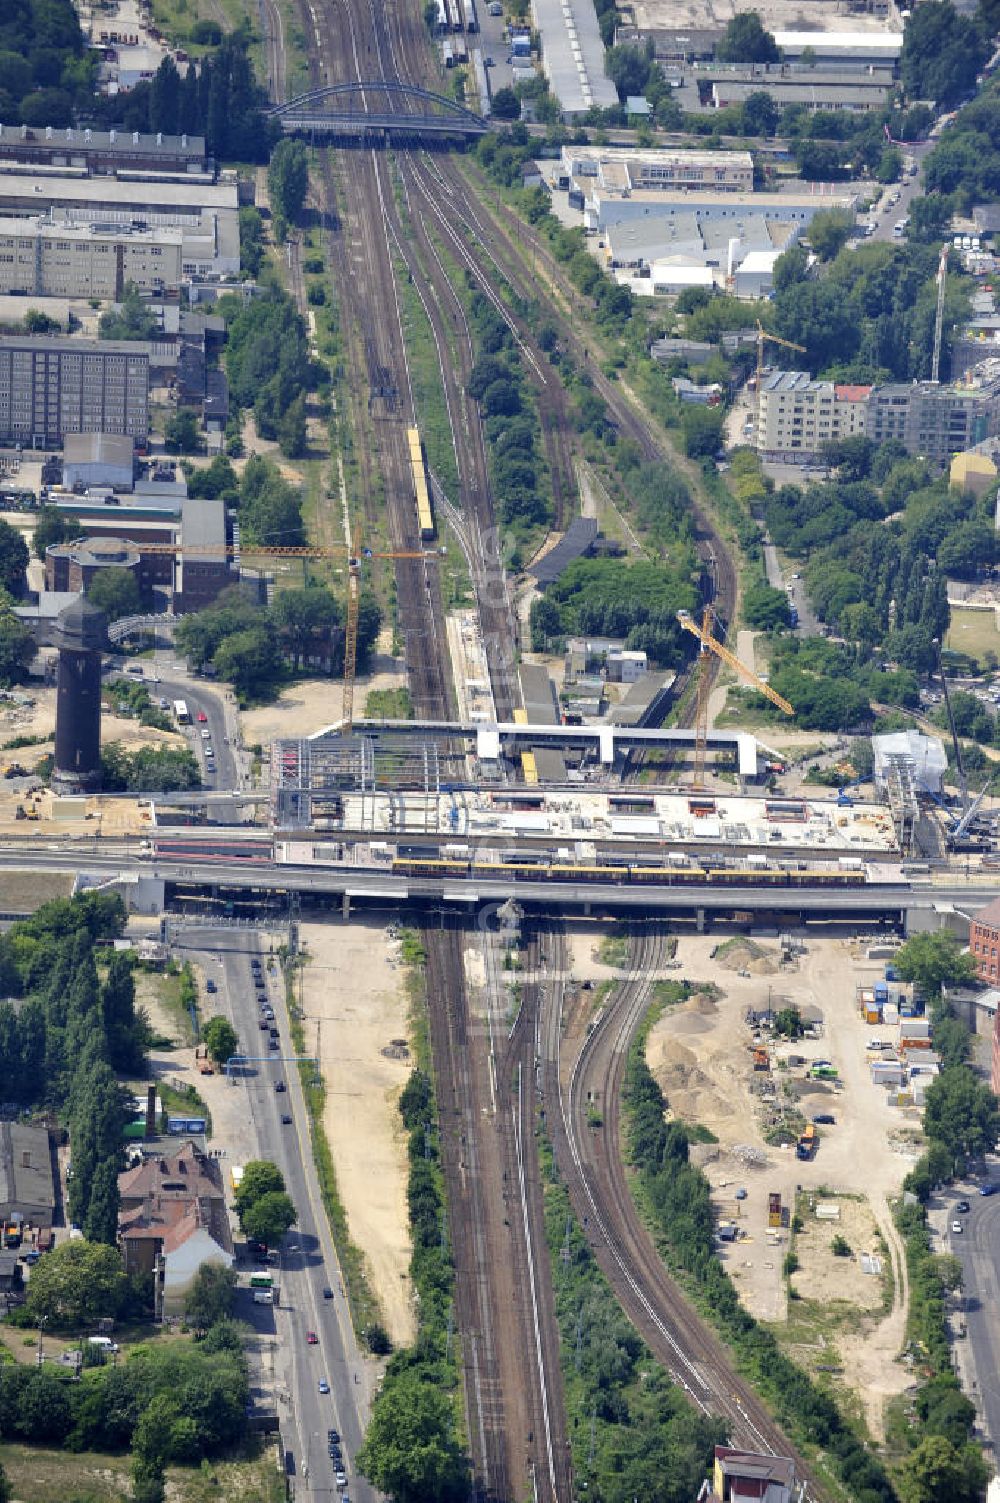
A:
x,y
381,108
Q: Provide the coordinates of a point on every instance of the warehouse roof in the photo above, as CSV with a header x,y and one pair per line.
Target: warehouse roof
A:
x,y
98,448
573,54
203,525
119,191
576,541
25,1166
538,694
56,137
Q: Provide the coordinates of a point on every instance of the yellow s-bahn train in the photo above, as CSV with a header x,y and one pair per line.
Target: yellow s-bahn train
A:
x,y
627,872
418,468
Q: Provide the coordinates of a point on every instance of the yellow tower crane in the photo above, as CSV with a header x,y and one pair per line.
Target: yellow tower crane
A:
x,y
762,335
355,556
711,644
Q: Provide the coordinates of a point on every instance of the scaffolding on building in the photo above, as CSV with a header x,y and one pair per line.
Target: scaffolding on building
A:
x,y
900,786
310,778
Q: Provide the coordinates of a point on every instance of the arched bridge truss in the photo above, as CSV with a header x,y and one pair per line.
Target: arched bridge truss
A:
x,y
381,108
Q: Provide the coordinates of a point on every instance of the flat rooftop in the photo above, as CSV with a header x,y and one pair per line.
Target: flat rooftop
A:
x,y
576,819
88,192
777,15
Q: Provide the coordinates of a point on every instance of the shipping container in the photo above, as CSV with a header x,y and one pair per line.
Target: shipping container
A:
x,y
774,1209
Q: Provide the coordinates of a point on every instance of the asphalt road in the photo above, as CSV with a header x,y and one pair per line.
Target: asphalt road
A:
x,y
978,1248
886,215
164,680
308,1262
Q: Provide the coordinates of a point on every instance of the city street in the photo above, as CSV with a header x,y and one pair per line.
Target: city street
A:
x,y
977,1248
308,1262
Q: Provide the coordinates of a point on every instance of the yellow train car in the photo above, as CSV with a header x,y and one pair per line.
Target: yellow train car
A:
x,y
418,468
529,767
520,716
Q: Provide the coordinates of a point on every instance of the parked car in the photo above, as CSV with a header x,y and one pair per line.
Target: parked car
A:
x,y
824,1119
211,987
987,1189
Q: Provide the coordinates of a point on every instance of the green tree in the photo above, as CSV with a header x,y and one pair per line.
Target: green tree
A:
x,y
14,557
306,620
628,68
942,53
17,647
829,231
506,105
933,961
760,114
745,40
100,1224
269,1218
210,1298
249,660
702,430
52,527
936,1471
77,1284
35,322
251,240
962,1113
293,439
890,165
182,432
788,1023
288,179
116,592
766,609
410,1451
131,319
260,1177
220,1038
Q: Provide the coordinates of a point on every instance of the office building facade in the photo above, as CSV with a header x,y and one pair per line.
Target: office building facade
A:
x,y
50,387
49,259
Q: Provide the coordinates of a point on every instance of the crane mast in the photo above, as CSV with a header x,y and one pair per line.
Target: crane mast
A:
x,y
942,279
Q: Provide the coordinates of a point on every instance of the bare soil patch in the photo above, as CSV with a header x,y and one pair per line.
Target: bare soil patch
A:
x,y
354,997
700,1053
312,704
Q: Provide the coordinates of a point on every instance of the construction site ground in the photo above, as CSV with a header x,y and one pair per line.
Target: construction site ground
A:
x,y
355,1012
699,1053
310,705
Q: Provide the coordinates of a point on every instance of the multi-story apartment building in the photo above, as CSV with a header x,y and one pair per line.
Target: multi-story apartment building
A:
x,y
798,415
47,259
51,386
938,421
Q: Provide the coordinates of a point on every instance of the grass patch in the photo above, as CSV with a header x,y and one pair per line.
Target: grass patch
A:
x,y
363,1305
46,1476
974,633
428,390
613,949
171,990
389,704
184,1101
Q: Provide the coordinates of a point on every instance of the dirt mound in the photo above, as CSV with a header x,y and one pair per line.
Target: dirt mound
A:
x,y
747,955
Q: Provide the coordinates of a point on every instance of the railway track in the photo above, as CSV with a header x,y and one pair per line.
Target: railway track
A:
x,y
592,1163
502,1401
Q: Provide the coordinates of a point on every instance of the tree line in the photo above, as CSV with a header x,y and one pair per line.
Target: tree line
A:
x,y
680,1205
608,597
510,421
47,71
633,1432
259,648
218,98
69,1038
174,1403
413,1449
268,365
